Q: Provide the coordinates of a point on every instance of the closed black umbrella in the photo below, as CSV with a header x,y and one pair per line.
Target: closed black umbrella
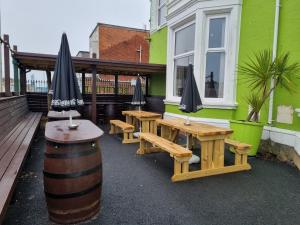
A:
x,y
138,96
190,101
64,89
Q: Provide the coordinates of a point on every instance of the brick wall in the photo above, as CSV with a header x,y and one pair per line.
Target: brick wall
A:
x,y
121,44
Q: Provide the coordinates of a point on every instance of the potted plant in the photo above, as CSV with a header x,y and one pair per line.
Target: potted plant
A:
x,y
258,74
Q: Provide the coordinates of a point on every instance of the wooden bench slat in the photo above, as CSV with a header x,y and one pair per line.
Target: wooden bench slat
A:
x,y
11,132
123,125
8,181
5,145
237,144
7,158
166,145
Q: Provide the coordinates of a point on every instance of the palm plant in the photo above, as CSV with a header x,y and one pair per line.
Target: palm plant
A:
x,y
260,71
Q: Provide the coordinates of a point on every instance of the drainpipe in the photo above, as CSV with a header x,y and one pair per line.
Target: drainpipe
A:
x,y
275,43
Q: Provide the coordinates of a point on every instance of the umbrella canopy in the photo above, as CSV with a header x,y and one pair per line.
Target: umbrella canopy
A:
x,y
64,89
138,96
190,101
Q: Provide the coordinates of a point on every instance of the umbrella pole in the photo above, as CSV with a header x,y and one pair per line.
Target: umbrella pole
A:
x,y
187,121
70,120
187,141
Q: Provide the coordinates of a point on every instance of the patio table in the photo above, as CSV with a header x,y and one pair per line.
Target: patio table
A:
x,y
55,115
212,141
72,171
147,120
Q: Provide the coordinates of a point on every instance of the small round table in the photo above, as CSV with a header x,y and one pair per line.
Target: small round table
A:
x,y
63,115
72,171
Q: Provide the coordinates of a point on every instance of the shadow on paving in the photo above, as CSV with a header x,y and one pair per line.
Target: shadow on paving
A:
x,y
138,190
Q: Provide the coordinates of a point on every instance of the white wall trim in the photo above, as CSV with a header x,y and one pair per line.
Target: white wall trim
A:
x,y
278,135
205,106
215,122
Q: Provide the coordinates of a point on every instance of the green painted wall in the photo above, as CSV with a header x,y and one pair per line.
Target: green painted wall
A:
x,y
204,113
289,40
257,30
158,54
256,34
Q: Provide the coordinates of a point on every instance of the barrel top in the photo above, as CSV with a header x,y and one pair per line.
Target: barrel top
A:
x,y
59,132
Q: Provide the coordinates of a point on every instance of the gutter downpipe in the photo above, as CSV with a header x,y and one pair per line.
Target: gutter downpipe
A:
x,y
275,44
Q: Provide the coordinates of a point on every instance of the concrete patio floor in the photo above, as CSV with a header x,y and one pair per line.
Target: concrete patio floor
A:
x,y
138,190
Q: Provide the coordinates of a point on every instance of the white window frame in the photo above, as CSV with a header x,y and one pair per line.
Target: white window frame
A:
x,y
199,13
219,50
159,7
186,54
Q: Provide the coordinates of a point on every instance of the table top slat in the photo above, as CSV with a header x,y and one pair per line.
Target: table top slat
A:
x,y
199,129
141,114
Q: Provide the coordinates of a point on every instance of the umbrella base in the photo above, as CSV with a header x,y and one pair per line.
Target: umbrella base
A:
x,y
194,159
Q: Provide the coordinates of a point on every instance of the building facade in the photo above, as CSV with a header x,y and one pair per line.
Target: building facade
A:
x,y
216,36
111,42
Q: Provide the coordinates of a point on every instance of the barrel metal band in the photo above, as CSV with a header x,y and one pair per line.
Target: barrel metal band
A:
x,y
71,155
72,175
74,194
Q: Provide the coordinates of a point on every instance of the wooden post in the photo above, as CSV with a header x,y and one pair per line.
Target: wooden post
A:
x,y
16,74
116,84
83,83
48,73
94,95
6,66
147,88
23,81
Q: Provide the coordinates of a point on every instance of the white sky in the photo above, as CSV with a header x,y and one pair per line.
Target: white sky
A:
x,y
37,25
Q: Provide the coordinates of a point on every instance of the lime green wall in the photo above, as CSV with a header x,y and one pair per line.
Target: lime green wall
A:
x,y
257,29
158,54
289,40
204,113
158,46
256,33
157,85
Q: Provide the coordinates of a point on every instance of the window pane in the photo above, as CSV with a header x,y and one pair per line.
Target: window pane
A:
x,y
185,40
216,33
181,66
214,75
162,13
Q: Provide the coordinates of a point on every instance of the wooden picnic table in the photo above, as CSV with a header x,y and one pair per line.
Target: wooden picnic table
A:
x,y
212,140
63,115
147,119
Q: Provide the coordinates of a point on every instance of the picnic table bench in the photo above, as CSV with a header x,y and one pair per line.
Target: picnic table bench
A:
x,y
212,140
18,127
118,126
180,154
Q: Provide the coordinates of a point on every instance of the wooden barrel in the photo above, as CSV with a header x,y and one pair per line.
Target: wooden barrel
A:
x,y
72,181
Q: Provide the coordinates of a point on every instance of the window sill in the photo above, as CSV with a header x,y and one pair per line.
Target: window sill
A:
x,y
206,106
158,28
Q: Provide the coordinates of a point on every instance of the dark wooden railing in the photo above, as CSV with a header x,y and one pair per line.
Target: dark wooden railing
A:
x,y
108,106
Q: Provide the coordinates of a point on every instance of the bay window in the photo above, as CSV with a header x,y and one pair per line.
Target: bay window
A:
x,y
207,37
215,57
162,12
183,55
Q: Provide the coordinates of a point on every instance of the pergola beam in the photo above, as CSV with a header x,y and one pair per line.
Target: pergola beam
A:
x,y
44,62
